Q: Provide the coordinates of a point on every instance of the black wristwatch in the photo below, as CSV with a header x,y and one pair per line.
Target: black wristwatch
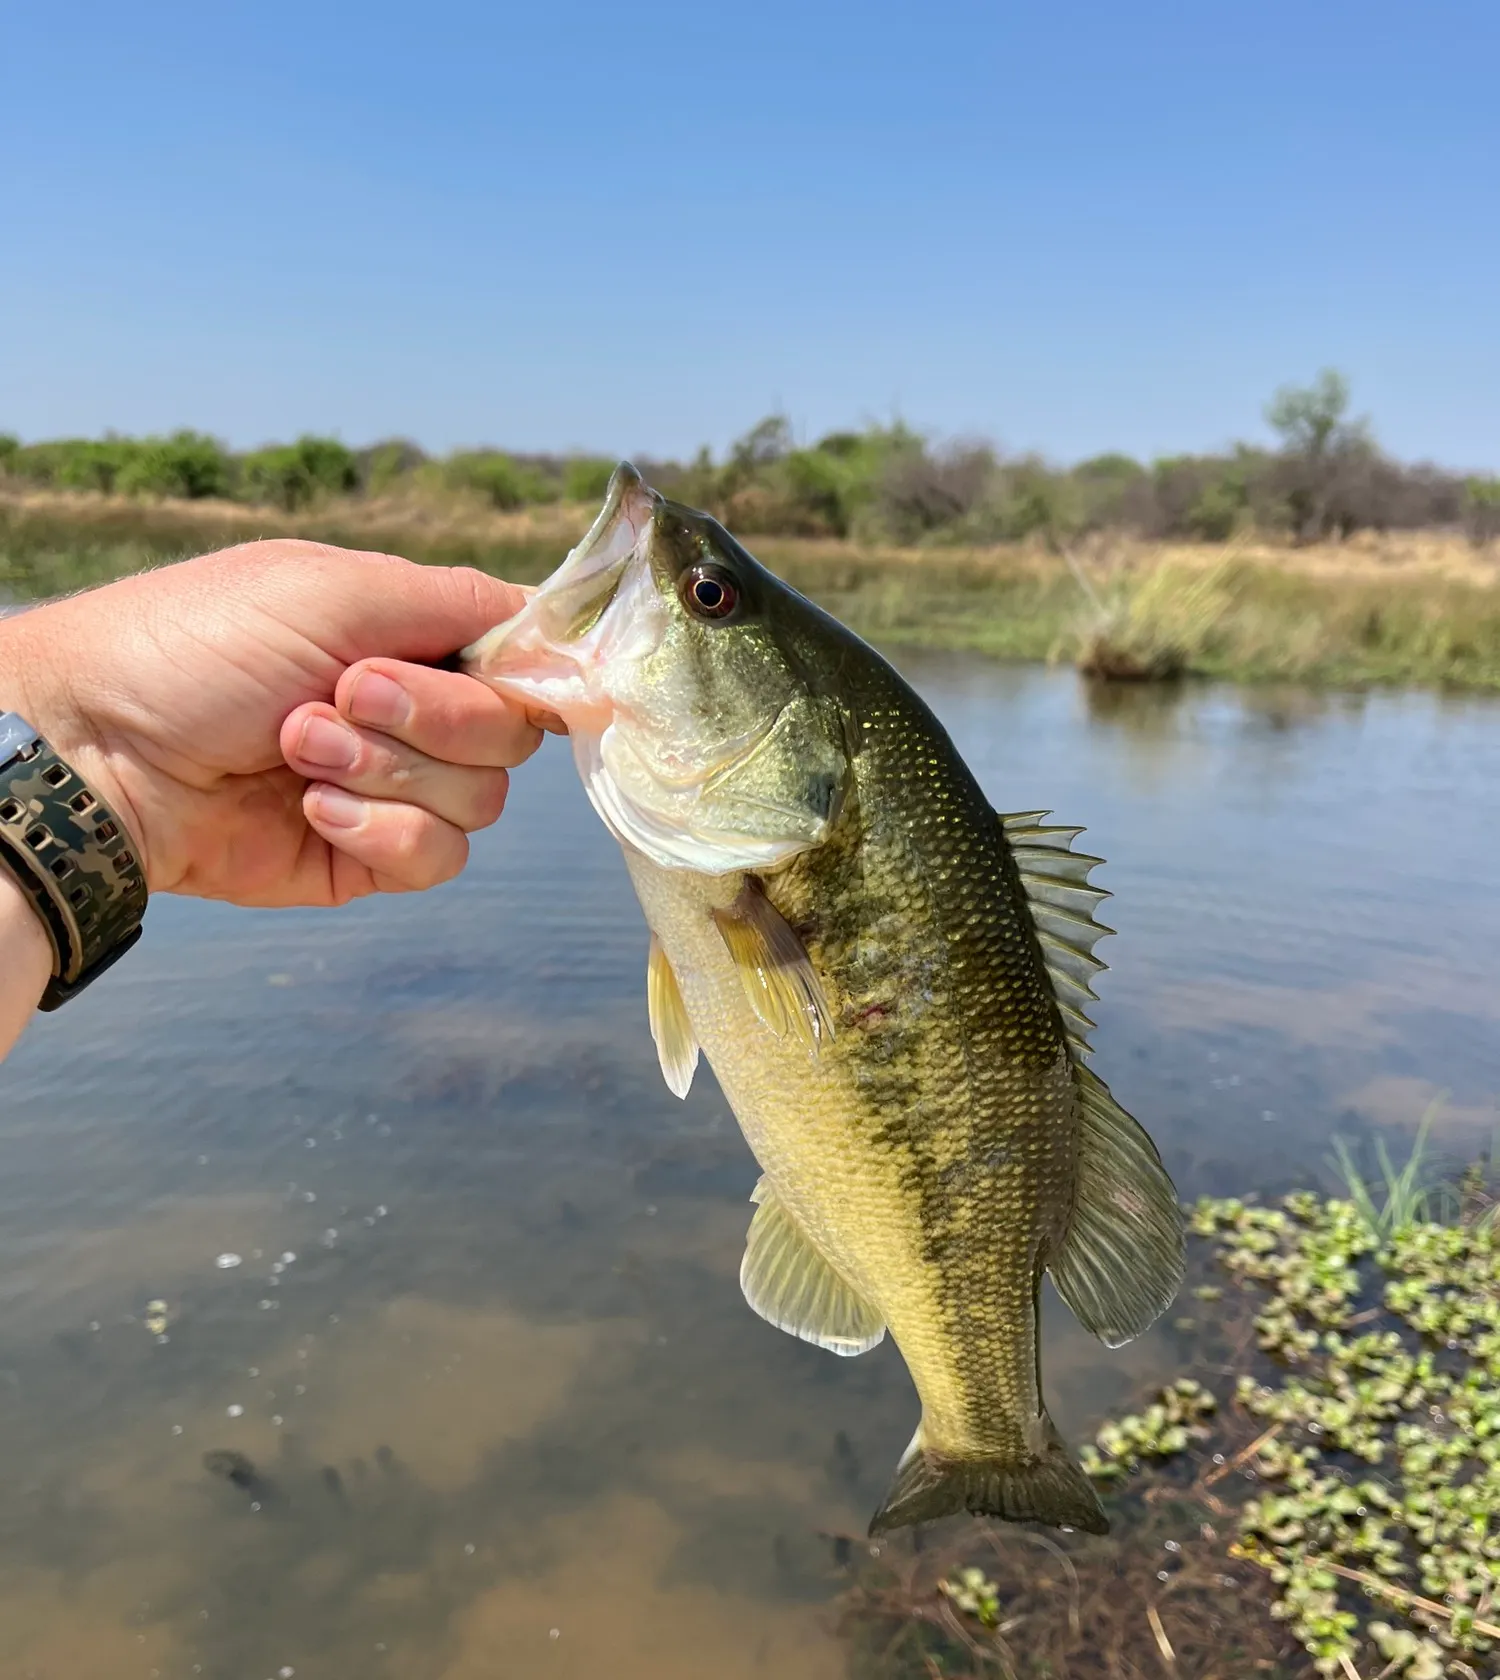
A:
x,y
72,857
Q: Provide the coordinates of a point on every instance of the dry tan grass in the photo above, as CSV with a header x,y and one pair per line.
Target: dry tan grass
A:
x,y
1409,607
453,514
456,514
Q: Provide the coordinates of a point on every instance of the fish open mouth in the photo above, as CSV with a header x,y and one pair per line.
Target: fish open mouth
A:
x,y
542,655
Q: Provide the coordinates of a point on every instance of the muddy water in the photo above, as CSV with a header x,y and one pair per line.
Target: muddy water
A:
x,y
501,1409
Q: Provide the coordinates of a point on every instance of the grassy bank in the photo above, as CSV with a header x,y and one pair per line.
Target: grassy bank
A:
x,y
1407,608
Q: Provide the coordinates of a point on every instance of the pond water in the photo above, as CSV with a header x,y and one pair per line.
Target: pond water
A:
x,y
484,1346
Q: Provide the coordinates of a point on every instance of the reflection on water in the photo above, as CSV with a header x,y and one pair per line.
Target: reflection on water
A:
x,y
483,1347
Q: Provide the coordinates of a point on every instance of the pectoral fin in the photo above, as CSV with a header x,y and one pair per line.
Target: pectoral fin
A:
x,y
773,965
676,1043
792,1286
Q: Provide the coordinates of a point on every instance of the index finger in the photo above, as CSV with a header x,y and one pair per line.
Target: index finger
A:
x,y
440,713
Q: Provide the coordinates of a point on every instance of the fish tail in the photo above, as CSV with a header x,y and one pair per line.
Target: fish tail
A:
x,y
1047,1486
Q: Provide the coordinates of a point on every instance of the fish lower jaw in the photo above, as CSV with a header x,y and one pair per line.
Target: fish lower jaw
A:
x,y
559,692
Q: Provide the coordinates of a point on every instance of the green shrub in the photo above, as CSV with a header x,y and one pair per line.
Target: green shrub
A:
x,y
884,484
824,485
586,478
1218,511
1481,508
74,463
383,464
187,464
293,475
502,481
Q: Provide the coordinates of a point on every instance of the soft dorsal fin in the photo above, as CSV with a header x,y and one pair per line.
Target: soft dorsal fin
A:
x,y
676,1042
1120,1264
1119,1267
774,968
792,1286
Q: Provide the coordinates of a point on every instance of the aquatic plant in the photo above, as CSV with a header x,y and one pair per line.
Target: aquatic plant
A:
x,y
1408,1194
1355,1470
973,1592
1381,1466
988,1601
1165,1428
1150,627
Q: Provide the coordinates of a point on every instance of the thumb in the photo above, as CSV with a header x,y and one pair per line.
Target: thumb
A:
x,y
358,605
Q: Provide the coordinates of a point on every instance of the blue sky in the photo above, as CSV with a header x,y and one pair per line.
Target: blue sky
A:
x,y
636,228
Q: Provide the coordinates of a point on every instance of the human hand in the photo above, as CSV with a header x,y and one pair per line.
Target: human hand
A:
x,y
250,717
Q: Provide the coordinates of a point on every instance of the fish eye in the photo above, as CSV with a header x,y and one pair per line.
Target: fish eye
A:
x,y
709,592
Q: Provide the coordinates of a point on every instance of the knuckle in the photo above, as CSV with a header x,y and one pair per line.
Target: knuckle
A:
x,y
492,793
409,839
424,851
442,860
528,738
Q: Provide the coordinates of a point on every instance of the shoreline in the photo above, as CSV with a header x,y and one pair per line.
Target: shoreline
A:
x,y
1414,609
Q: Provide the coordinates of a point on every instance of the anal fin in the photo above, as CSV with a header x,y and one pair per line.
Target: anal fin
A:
x,y
676,1043
1120,1264
774,968
792,1286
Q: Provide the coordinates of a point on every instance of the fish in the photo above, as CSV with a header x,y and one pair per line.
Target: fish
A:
x,y
888,978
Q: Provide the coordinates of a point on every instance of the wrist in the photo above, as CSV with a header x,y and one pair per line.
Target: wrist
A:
x,y
68,853
25,960
34,683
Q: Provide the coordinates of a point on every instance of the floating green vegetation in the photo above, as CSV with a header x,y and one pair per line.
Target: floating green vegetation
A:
x,y
1381,1462
1351,1462
1167,1427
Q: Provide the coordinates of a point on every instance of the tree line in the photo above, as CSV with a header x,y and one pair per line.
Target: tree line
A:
x,y
1326,477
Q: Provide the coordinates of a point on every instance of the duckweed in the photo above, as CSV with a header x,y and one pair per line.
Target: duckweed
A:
x,y
972,1591
1371,1497
1166,1428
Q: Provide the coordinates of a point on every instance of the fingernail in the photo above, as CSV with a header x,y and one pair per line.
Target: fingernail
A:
x,y
327,744
339,809
379,701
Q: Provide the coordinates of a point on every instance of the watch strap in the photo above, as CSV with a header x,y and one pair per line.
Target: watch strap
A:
x,y
71,855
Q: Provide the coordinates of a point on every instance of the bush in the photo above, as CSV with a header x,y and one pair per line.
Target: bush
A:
x,y
187,464
585,478
383,464
883,484
73,463
503,482
1482,509
910,492
1024,499
293,475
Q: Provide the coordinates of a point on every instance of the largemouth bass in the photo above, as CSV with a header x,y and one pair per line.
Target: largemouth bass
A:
x,y
888,979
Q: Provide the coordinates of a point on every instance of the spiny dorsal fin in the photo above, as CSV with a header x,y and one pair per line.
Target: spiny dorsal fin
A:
x,y
1062,904
1120,1264
676,1042
774,968
792,1286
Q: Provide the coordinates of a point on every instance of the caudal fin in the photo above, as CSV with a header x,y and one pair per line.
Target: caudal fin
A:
x,y
1045,1487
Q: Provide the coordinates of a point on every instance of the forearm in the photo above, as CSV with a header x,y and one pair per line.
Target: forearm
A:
x,y
25,961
